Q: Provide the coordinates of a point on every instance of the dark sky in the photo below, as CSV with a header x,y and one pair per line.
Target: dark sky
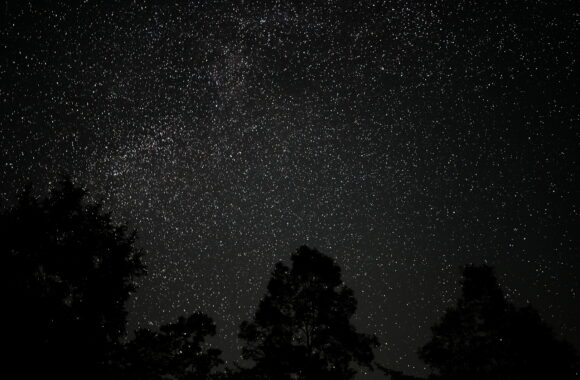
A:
x,y
403,138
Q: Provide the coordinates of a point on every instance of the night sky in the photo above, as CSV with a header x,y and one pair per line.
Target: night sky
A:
x,y
403,138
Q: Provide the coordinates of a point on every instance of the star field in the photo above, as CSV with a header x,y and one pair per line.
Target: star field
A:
x,y
403,139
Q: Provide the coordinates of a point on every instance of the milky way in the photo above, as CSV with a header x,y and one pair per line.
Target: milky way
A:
x,y
403,139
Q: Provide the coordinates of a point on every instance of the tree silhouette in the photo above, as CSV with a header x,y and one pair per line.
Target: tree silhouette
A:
x,y
175,352
302,327
68,271
485,337
396,375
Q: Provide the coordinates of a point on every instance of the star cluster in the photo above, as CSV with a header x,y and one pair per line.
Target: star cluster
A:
x,y
404,139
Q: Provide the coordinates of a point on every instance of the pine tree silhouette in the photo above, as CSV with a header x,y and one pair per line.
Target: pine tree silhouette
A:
x,y
484,337
302,327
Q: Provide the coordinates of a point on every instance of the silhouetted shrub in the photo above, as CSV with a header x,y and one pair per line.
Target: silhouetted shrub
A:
x,y
175,352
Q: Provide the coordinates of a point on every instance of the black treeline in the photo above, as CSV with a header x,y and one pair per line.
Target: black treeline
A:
x,y
68,271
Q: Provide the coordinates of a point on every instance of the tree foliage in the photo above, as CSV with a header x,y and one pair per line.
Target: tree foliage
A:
x,y
175,352
485,337
302,328
68,270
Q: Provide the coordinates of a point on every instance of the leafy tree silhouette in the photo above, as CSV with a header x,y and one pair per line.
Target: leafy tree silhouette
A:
x,y
302,327
68,271
175,352
484,337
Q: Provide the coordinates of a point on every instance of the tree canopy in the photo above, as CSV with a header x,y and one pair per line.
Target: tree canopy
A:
x,y
177,351
68,270
485,337
302,328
